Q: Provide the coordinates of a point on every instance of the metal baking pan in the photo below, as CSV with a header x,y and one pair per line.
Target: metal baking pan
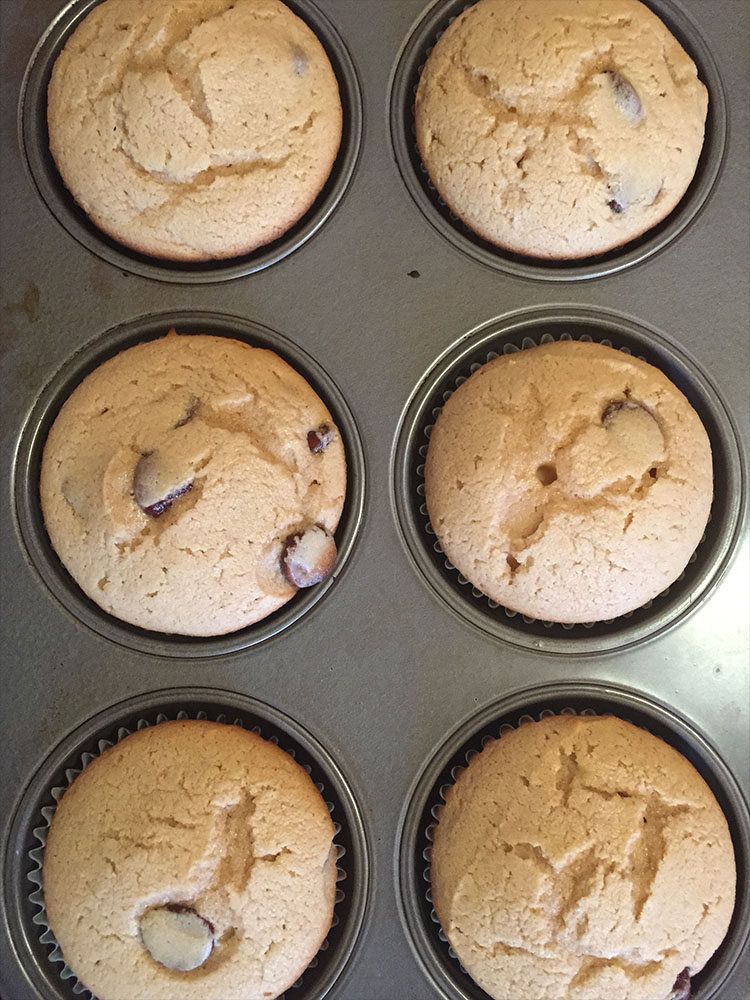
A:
x,y
384,681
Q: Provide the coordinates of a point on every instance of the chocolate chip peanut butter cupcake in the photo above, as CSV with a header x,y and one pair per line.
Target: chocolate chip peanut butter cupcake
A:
x,y
193,484
560,129
582,858
191,861
194,129
569,482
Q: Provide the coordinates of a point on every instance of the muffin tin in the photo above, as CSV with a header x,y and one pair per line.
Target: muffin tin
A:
x,y
380,308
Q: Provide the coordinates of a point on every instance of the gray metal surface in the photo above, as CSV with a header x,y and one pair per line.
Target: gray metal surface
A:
x,y
380,672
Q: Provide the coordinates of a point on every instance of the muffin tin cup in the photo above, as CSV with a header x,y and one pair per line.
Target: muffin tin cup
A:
x,y
403,87
426,938
35,945
42,171
520,331
30,524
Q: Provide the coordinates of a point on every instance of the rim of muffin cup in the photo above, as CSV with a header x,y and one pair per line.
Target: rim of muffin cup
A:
x,y
40,166
34,944
32,533
522,330
407,71
428,943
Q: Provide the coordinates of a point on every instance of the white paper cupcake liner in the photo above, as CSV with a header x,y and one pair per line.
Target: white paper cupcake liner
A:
x,y
56,792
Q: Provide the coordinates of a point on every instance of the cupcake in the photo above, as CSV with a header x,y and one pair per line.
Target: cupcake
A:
x,y
582,858
194,130
560,129
191,860
569,482
192,485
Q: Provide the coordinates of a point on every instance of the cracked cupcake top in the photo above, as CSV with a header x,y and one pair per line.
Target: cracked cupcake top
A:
x,y
582,858
569,482
181,490
194,129
191,860
560,128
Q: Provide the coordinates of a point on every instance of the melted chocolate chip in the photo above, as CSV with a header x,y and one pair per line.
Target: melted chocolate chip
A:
x,y
181,908
158,508
156,486
177,937
681,988
627,101
319,439
308,556
615,406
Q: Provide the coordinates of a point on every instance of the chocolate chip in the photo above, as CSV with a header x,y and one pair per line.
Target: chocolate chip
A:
x,y
177,937
627,101
308,556
319,439
635,435
158,508
619,404
681,988
153,491
184,908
